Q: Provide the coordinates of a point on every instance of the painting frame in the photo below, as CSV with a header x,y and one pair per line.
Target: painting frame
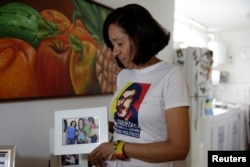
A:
x,y
61,147
9,153
48,76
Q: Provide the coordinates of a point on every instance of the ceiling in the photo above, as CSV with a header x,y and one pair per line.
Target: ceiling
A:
x,y
216,15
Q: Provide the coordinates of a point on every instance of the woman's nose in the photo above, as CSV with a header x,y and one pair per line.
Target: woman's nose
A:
x,y
115,52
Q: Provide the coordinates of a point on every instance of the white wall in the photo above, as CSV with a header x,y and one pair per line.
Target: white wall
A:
x,y
235,90
26,124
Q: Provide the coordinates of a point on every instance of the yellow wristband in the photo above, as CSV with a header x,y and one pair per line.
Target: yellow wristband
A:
x,y
119,150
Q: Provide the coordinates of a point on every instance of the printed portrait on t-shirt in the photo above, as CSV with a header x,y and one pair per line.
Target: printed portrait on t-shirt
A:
x,y
126,108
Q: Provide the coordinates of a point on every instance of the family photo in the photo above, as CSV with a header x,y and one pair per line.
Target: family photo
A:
x,y
80,130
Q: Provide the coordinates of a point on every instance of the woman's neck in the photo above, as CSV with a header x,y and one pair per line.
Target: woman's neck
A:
x,y
151,62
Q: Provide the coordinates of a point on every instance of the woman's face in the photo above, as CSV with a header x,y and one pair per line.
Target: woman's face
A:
x,y
122,45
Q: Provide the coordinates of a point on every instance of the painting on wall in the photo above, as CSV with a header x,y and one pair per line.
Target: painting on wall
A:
x,y
54,48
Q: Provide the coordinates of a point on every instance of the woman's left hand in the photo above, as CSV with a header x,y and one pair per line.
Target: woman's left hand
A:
x,y
103,152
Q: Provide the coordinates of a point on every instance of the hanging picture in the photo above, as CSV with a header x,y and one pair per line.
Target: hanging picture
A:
x,y
53,48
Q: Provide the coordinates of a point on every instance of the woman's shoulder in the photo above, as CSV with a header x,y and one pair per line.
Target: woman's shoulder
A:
x,y
167,68
125,72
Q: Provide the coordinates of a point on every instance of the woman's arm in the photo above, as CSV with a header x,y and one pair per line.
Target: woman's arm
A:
x,y
111,127
177,146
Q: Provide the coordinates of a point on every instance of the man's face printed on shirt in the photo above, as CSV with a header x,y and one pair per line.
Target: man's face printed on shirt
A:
x,y
124,102
125,108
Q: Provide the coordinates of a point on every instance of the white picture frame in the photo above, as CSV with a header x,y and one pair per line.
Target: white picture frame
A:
x,y
57,161
64,118
76,161
7,155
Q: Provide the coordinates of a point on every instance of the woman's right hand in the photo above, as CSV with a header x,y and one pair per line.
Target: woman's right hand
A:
x,y
103,152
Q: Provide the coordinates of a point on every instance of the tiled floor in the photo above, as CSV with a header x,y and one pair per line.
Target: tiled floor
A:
x,y
179,164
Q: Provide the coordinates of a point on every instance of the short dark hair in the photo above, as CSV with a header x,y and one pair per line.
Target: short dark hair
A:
x,y
71,123
148,36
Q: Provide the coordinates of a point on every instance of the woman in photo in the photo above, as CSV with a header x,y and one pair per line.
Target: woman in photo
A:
x,y
71,133
90,129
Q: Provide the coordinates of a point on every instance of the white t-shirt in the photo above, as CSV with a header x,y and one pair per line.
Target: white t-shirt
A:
x,y
148,92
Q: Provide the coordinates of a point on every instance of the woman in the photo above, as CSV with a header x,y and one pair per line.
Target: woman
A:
x,y
156,130
89,129
71,133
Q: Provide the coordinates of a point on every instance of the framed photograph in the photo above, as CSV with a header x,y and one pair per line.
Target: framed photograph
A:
x,y
7,155
70,160
79,131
